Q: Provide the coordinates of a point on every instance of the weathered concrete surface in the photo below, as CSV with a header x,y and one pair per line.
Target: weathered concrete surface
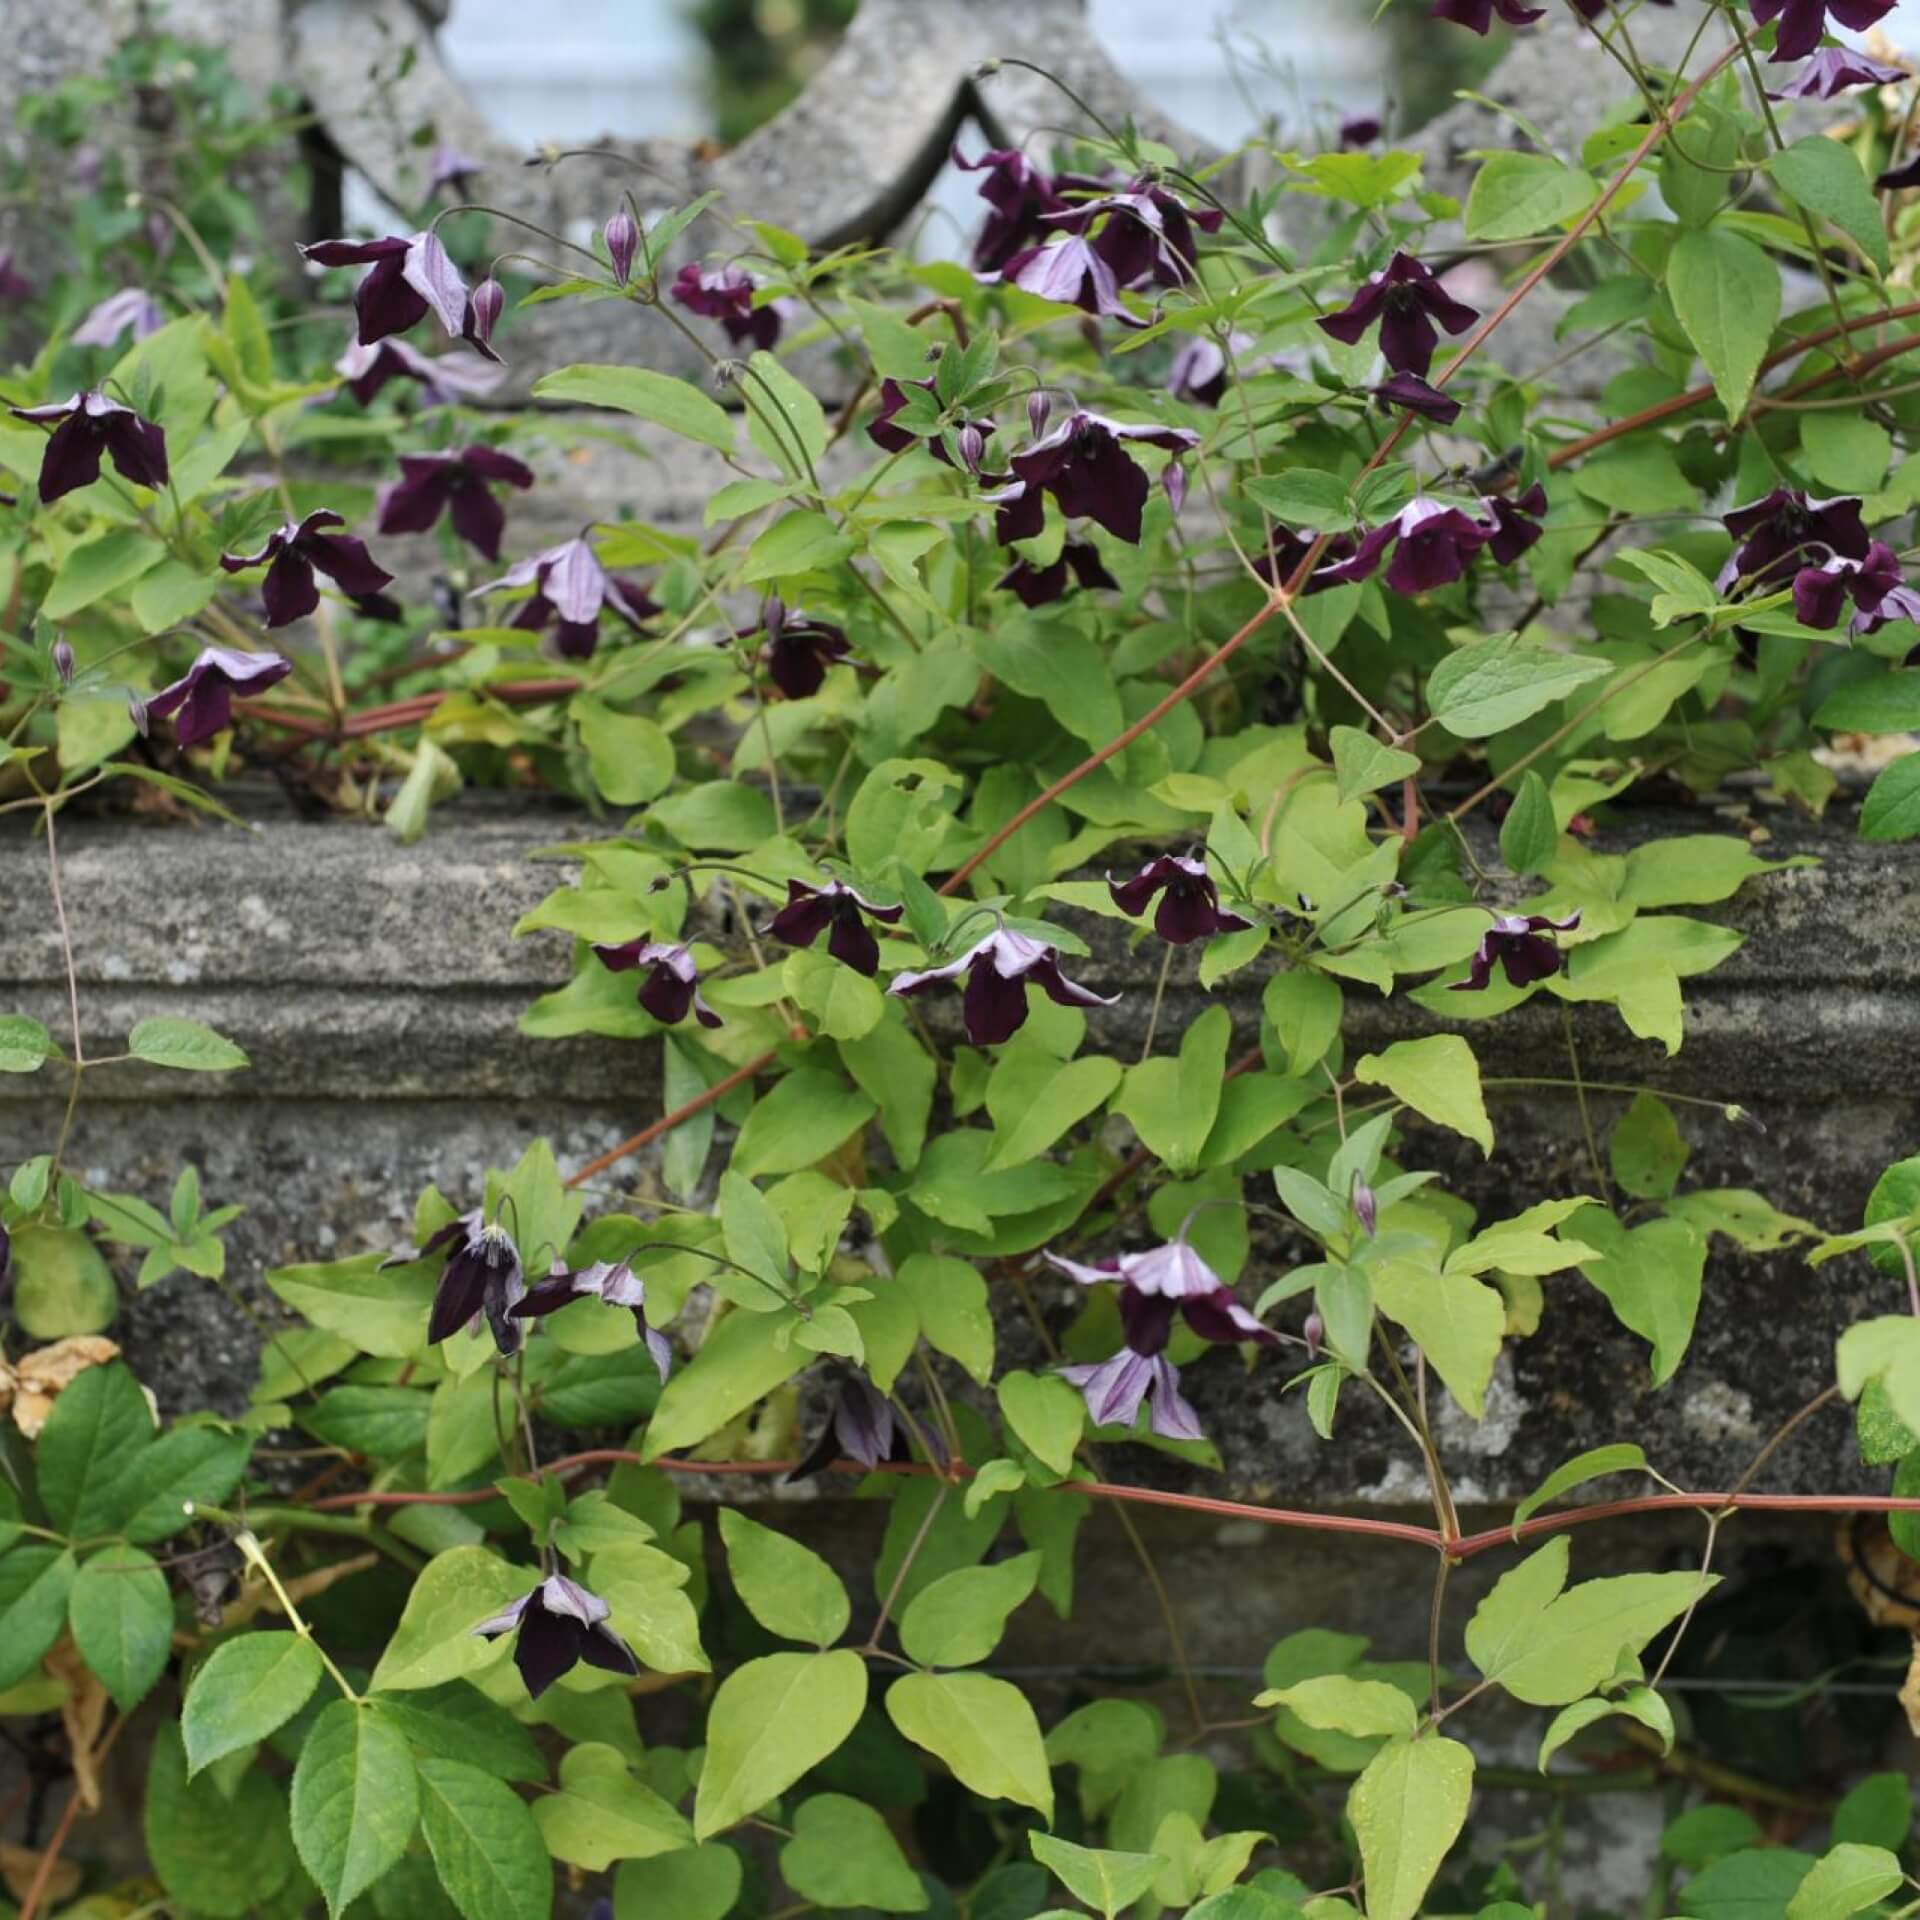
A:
x,y
377,991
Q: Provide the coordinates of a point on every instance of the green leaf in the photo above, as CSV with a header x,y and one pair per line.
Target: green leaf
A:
x,y
1891,810
1517,194
1876,1813
1703,1834
99,567
1172,1103
630,756
1304,497
1045,1413
1646,1149
1034,1099
845,1005
798,542
982,1728
1651,1277
784,420
1363,765
1490,685
100,1422
356,1800
602,1813
1055,663
249,1686
808,1115
740,1361
219,1855
1457,1321
1437,1077
771,1721
172,593
788,1588
1825,177
61,1285
958,1620
1887,703
458,1722
843,1855
24,1043
167,1041
484,1843
674,404
385,1422
700,1883
651,1611
382,1310
1097,1876
122,1619
1726,296
435,1640
1339,1703
1407,1810
34,1584
1750,1885
1637,1703
1303,1008
955,1318
1623,1456
1847,1878
1529,834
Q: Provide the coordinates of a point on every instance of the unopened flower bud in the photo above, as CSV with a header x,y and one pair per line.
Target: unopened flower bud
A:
x,y
1175,482
1365,1208
973,444
623,241
1315,1331
489,298
137,712
1038,407
63,662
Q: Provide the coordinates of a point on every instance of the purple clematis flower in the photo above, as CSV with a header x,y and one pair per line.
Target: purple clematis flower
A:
x,y
726,294
1113,1390
481,1279
1802,22
671,989
811,910
1433,546
1020,195
570,583
444,378
1520,943
408,277
1290,549
614,1284
1360,130
797,648
1084,464
431,484
1189,907
1821,591
14,285
1832,71
891,439
1478,14
1414,395
1041,586
1896,179
203,696
1785,530
1146,235
999,970
131,307
299,548
89,425
861,1427
1198,372
1071,270
449,167
1408,301
1516,523
558,1625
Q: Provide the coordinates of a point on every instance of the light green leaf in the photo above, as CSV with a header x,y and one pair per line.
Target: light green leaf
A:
x,y
1887,703
24,1043
982,1728
1437,1077
602,1813
356,1800
1651,1277
1825,177
1646,1149
1491,685
1338,1703
771,1721
168,1041
1726,296
1517,194
667,402
1846,1879
807,1116
1034,1099
630,756
1529,833
249,1686
1303,1008
843,1855
379,1309
435,1640
1172,1103
958,1620
741,1361
99,567
651,1611
1891,810
122,1619
951,1299
1623,1456
700,1883
1876,1813
788,1588
484,1843
1097,1877
784,420
798,542
1046,1414
845,1005
1637,1703
1363,764
1457,1321
1407,1810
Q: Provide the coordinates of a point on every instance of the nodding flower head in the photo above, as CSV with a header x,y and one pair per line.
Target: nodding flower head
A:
x,y
131,310
999,970
201,700
292,555
810,911
86,427
796,648
1071,269
1036,586
571,587
1522,945
482,1279
556,1626
1802,22
1433,545
671,989
1786,530
1832,71
1409,302
861,1427
1189,900
445,378
613,1284
1478,15
726,294
408,276
457,484
1020,196
1085,465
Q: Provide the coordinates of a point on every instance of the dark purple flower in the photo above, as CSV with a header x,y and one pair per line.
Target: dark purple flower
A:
x,y
1433,546
1786,530
1084,464
481,1279
89,425
1519,942
614,1285
1414,395
1897,178
796,648
1833,70
1591,10
891,439
999,969
1020,195
432,483
1360,130
1041,586
726,294
1189,901
861,1427
202,697
1145,232
671,989
297,550
571,585
14,285
1516,523
131,307
811,910
1408,301
449,167
622,235
1802,22
1071,270
559,1624
444,378
1478,14
407,278
1821,591
1290,549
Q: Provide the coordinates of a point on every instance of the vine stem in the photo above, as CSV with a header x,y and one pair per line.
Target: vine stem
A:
x,y
43,1874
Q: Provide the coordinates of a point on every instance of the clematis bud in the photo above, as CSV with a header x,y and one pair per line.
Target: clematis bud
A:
x,y
1174,479
1038,408
489,297
63,662
137,713
623,241
973,444
1315,1331
1365,1208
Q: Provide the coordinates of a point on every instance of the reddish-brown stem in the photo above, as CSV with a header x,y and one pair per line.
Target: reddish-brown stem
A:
x,y
43,1874
666,1124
